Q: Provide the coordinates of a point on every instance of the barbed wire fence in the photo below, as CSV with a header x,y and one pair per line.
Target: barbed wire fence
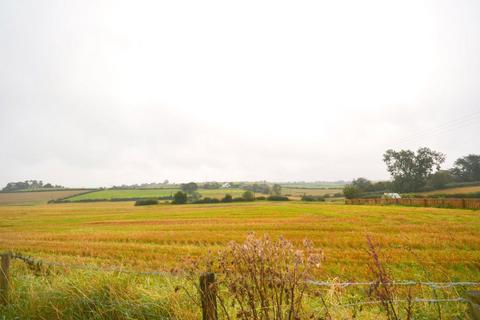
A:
x,y
472,298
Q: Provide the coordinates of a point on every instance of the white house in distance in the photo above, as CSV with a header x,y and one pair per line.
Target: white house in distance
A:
x,y
226,185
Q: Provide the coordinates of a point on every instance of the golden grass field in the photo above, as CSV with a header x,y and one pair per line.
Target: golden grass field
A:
x,y
30,198
420,243
468,189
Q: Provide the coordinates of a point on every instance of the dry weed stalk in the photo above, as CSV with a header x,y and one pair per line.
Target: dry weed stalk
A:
x,y
266,279
383,288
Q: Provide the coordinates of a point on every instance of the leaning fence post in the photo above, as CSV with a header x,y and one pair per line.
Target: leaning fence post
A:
x,y
208,296
4,266
473,298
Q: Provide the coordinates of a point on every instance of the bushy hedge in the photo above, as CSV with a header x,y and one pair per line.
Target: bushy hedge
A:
x,y
277,198
208,200
370,195
261,198
248,195
312,198
444,195
180,198
106,200
228,198
238,199
146,202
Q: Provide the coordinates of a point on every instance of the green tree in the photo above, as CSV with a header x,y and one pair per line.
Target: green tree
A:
x,y
381,186
439,179
228,198
363,185
409,170
258,187
195,196
467,168
189,188
211,185
350,191
277,189
180,198
248,195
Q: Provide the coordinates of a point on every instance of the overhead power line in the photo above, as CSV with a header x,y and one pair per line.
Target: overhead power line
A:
x,y
447,127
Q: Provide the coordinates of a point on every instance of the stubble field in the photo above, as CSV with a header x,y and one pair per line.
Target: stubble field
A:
x,y
420,243
32,198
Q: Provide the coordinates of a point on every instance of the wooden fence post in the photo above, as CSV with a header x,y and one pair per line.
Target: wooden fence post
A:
x,y
208,295
4,280
473,298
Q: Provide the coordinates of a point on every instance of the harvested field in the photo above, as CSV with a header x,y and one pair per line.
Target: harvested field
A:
x,y
426,242
37,197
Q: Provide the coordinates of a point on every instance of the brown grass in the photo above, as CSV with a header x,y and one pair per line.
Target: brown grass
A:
x,y
29,198
469,189
445,241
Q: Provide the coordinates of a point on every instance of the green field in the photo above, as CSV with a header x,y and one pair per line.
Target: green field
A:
x,y
416,244
152,193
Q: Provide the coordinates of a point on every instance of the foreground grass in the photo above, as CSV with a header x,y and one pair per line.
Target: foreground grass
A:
x,y
417,243
63,293
70,294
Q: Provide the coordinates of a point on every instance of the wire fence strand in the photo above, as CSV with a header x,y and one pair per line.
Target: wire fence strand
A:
x,y
39,262
413,300
433,285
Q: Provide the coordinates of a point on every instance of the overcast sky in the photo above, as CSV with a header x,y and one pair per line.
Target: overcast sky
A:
x,y
96,93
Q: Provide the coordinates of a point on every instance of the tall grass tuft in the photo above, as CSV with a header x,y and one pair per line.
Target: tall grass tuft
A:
x,y
73,295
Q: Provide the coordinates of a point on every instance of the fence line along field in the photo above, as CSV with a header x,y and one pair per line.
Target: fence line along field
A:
x,y
30,198
420,202
428,243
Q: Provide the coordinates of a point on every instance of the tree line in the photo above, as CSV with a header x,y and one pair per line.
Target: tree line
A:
x,y
418,171
29,185
189,193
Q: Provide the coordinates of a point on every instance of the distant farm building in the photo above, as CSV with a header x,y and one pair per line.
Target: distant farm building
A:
x,y
226,186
